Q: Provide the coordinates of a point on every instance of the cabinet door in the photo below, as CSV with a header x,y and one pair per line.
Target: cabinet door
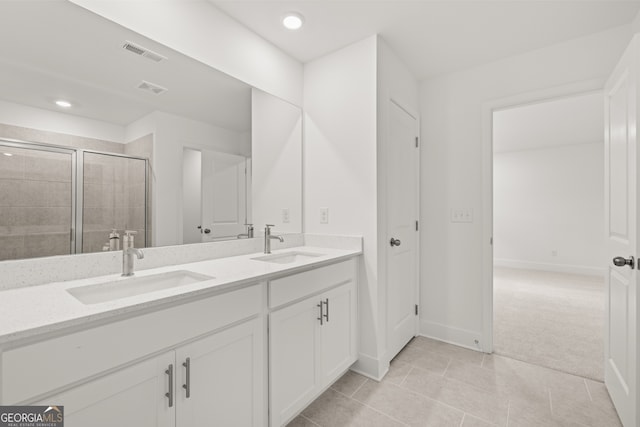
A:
x,y
134,396
294,354
226,378
338,332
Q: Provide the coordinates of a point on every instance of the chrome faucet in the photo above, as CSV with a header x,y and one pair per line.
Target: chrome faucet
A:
x,y
128,251
248,234
268,237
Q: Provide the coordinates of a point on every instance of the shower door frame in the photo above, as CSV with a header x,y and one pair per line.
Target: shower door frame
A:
x,y
80,198
34,146
77,180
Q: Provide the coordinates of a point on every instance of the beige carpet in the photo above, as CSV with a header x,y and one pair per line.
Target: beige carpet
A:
x,y
550,319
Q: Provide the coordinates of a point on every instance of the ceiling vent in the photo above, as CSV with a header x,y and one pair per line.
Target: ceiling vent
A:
x,y
151,87
141,51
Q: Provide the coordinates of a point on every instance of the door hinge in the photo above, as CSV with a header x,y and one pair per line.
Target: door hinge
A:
x,y
416,309
417,226
416,142
491,240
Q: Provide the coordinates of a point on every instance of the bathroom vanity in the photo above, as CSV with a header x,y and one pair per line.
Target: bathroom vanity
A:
x,y
247,340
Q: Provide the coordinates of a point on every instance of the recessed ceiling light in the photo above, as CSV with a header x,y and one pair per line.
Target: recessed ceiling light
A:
x,y
292,20
63,104
8,154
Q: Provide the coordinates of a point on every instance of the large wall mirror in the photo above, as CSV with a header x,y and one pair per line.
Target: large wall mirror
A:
x,y
150,141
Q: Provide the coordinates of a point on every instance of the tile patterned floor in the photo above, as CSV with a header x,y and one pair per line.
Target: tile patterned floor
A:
x,y
434,384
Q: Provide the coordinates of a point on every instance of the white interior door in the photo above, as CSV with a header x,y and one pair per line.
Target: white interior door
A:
x,y
621,97
224,194
402,237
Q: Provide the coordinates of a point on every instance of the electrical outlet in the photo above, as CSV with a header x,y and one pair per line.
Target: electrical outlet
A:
x,y
324,215
554,252
285,215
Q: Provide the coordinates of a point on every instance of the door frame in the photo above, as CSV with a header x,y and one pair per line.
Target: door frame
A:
x,y
488,108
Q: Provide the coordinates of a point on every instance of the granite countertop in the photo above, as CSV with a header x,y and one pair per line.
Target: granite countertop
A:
x,y
35,311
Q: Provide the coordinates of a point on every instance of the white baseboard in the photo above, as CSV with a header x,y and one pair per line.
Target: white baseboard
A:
x,y
370,367
460,337
558,268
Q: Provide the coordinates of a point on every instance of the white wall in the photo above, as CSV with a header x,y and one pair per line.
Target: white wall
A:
x,y
452,169
52,121
340,165
546,200
171,134
276,147
198,29
347,96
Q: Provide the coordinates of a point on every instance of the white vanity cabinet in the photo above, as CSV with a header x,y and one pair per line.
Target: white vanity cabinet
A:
x,y
312,339
251,356
131,396
222,374
137,371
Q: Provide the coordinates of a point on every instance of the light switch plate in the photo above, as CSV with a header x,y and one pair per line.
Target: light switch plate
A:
x,y
462,215
285,215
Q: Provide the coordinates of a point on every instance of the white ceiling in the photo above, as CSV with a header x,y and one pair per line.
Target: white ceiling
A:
x,y
432,37
564,121
54,49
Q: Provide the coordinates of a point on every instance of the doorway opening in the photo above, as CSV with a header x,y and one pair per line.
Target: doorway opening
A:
x,y
548,211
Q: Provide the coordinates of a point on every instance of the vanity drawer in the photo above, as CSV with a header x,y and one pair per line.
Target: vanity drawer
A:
x,y
36,369
297,286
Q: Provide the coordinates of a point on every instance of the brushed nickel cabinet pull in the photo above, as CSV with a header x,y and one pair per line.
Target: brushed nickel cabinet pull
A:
x,y
320,318
187,385
169,394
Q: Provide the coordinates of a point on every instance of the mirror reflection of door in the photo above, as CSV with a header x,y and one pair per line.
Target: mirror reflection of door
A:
x,y
215,194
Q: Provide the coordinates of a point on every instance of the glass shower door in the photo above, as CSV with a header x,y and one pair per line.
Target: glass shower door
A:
x,y
114,197
36,201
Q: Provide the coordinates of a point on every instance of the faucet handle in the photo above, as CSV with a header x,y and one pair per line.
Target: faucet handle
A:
x,y
130,232
269,225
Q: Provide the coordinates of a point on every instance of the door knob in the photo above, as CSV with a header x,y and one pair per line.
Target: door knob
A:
x,y
394,242
207,231
621,262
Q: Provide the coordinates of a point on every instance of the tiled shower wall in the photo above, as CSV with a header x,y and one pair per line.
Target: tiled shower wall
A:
x,y
35,194
35,203
114,198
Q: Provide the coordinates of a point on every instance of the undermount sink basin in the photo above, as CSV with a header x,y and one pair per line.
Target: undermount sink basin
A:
x,y
288,257
128,287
